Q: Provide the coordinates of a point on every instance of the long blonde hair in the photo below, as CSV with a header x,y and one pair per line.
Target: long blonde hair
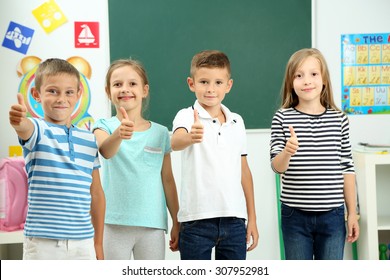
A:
x,y
289,97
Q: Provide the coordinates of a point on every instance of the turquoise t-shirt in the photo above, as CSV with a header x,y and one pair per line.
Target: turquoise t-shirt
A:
x,y
132,180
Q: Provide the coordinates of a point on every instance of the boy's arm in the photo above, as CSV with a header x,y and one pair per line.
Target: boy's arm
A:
x,y
181,139
98,209
172,200
109,144
19,121
350,202
247,185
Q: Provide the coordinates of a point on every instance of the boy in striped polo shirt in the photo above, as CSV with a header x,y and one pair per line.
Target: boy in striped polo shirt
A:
x,y
66,202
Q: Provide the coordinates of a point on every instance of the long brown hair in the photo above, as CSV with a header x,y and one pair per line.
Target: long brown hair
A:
x,y
289,97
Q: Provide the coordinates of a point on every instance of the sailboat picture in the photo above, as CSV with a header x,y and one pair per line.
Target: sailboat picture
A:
x,y
86,36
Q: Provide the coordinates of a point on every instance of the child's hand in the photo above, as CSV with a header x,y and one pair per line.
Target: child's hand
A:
x,y
196,129
18,112
127,126
292,143
174,242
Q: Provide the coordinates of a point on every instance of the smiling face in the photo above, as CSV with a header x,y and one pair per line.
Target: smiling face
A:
x,y
58,95
210,86
127,89
308,82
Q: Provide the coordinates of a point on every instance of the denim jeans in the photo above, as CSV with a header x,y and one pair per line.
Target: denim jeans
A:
x,y
198,238
311,235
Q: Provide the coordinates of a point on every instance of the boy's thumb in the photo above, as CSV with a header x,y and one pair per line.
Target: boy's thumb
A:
x,y
21,99
196,116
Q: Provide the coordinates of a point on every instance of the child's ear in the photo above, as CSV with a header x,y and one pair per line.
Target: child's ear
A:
x,y
80,92
108,93
229,85
190,82
35,94
146,91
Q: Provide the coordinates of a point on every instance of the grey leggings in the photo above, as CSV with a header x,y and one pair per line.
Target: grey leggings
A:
x,y
120,242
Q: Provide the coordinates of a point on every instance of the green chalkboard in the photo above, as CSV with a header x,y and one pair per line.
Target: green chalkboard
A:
x,y
257,35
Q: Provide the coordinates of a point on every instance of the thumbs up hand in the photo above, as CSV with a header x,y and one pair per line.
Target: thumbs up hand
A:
x,y
127,126
292,143
18,112
196,129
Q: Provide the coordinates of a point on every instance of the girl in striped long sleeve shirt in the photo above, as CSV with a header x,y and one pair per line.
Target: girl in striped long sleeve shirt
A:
x,y
311,150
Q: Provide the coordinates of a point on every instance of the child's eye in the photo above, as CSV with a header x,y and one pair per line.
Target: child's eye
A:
x,y
133,84
203,82
52,91
70,92
298,76
116,84
219,83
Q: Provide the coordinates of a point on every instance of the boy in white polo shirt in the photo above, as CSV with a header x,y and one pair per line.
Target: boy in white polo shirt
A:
x,y
217,206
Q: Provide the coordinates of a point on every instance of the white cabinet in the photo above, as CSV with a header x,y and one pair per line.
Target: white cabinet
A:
x,y
11,245
373,184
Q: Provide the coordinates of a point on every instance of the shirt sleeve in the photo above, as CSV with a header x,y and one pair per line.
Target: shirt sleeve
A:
x,y
347,163
278,138
183,119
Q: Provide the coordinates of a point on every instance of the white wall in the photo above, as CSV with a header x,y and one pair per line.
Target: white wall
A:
x,y
333,18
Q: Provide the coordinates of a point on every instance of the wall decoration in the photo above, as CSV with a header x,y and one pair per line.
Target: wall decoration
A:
x,y
49,16
18,37
365,71
86,34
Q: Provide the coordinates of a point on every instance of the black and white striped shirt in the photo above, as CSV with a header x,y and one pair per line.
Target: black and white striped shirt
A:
x,y
314,180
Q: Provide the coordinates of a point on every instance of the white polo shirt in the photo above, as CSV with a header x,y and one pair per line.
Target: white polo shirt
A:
x,y
211,170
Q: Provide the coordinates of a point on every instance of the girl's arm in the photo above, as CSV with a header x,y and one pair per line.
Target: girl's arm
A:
x,y
281,161
98,209
247,185
172,200
350,202
109,144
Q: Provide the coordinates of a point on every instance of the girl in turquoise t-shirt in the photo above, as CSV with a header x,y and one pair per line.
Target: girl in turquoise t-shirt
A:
x,y
137,175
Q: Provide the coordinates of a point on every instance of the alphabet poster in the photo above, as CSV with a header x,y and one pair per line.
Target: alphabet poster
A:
x,y
365,71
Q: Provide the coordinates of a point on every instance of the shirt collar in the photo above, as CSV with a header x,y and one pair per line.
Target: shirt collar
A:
x,y
205,115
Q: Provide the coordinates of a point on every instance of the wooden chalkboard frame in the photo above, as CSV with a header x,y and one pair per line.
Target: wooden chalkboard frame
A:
x,y
258,36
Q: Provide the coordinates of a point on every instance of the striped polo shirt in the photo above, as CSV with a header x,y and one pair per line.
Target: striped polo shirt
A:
x,y
59,164
314,180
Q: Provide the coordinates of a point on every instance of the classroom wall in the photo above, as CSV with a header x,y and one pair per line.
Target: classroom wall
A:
x,y
60,43
331,18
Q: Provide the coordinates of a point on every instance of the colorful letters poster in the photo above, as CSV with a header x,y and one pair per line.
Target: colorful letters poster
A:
x,y
365,72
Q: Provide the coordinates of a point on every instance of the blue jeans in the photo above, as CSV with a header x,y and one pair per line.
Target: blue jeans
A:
x,y
198,238
311,235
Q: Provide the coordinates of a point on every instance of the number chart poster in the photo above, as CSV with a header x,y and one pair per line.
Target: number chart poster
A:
x,y
365,63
